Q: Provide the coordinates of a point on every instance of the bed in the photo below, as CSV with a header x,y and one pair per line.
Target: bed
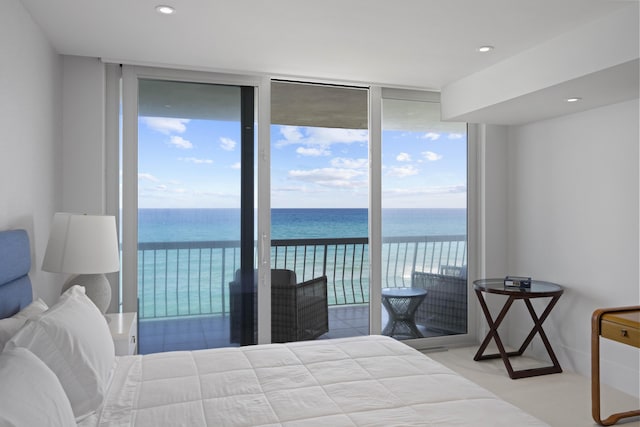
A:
x,y
68,371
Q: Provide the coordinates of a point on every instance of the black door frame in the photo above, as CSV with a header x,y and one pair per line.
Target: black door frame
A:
x,y
247,215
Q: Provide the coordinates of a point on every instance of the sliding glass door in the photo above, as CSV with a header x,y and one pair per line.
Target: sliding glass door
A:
x,y
195,215
319,214
424,219
362,188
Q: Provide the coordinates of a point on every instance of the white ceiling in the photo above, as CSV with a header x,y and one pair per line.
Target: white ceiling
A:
x,y
403,43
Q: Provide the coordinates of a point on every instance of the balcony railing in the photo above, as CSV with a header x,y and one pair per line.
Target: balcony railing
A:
x,y
191,278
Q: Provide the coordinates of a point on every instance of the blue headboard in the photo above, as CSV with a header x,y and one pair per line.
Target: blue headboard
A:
x,y
15,262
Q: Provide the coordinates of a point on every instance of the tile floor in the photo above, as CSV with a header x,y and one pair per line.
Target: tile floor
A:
x,y
561,400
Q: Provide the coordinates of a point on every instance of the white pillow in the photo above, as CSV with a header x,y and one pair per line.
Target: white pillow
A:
x,y
11,325
31,394
72,338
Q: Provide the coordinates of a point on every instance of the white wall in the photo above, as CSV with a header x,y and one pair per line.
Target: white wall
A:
x,y
30,119
83,161
492,196
573,219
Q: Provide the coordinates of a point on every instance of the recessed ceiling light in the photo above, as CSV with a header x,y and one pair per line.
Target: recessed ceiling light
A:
x,y
484,49
165,10
574,99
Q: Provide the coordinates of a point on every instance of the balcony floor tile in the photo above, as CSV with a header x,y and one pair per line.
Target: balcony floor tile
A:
x,y
197,332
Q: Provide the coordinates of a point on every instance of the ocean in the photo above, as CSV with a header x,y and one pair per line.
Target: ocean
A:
x,y
177,278
175,225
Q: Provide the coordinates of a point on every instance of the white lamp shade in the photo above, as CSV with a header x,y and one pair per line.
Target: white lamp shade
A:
x,y
82,244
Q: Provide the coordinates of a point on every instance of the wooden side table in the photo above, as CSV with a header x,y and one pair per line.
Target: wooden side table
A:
x,y
621,324
124,330
538,289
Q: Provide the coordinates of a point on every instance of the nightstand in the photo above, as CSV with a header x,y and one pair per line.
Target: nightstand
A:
x,y
124,330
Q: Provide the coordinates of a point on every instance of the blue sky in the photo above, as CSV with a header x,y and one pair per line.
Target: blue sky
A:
x,y
195,164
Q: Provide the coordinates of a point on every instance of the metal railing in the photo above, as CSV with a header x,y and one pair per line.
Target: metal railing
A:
x,y
191,278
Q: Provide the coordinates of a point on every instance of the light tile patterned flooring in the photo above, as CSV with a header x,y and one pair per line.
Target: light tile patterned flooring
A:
x,y
198,332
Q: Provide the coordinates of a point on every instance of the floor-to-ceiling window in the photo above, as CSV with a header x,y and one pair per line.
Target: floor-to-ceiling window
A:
x,y
319,209
424,218
194,212
187,168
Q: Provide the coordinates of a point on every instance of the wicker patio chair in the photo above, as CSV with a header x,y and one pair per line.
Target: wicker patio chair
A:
x,y
445,306
299,311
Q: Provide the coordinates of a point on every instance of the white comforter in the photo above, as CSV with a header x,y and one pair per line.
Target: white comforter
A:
x,y
363,381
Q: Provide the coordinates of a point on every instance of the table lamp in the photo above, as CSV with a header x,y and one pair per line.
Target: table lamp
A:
x,y
85,246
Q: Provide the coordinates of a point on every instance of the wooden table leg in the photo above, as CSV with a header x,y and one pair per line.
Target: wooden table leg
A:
x,y
502,353
493,333
595,373
543,336
595,369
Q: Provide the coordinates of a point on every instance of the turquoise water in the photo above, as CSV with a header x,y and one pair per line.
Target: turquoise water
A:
x,y
176,282
175,225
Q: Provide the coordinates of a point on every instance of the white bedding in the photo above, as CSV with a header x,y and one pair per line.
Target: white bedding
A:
x,y
363,381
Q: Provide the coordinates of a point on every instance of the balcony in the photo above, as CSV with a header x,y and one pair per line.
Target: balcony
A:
x,y
184,295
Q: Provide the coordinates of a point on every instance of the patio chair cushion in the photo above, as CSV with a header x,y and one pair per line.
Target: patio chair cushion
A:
x,y
283,277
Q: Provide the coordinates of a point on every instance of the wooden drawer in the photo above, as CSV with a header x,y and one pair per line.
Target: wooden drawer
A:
x,y
621,324
619,329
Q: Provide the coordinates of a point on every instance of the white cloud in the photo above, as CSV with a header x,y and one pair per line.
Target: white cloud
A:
x,y
147,177
345,173
456,189
299,189
324,174
426,191
200,193
313,152
456,135
291,133
161,188
331,177
431,136
165,125
196,160
227,144
402,171
323,137
341,162
180,142
431,156
331,136
403,157
236,166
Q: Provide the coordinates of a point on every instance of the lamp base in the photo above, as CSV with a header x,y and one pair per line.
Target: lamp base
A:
x,y
96,286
